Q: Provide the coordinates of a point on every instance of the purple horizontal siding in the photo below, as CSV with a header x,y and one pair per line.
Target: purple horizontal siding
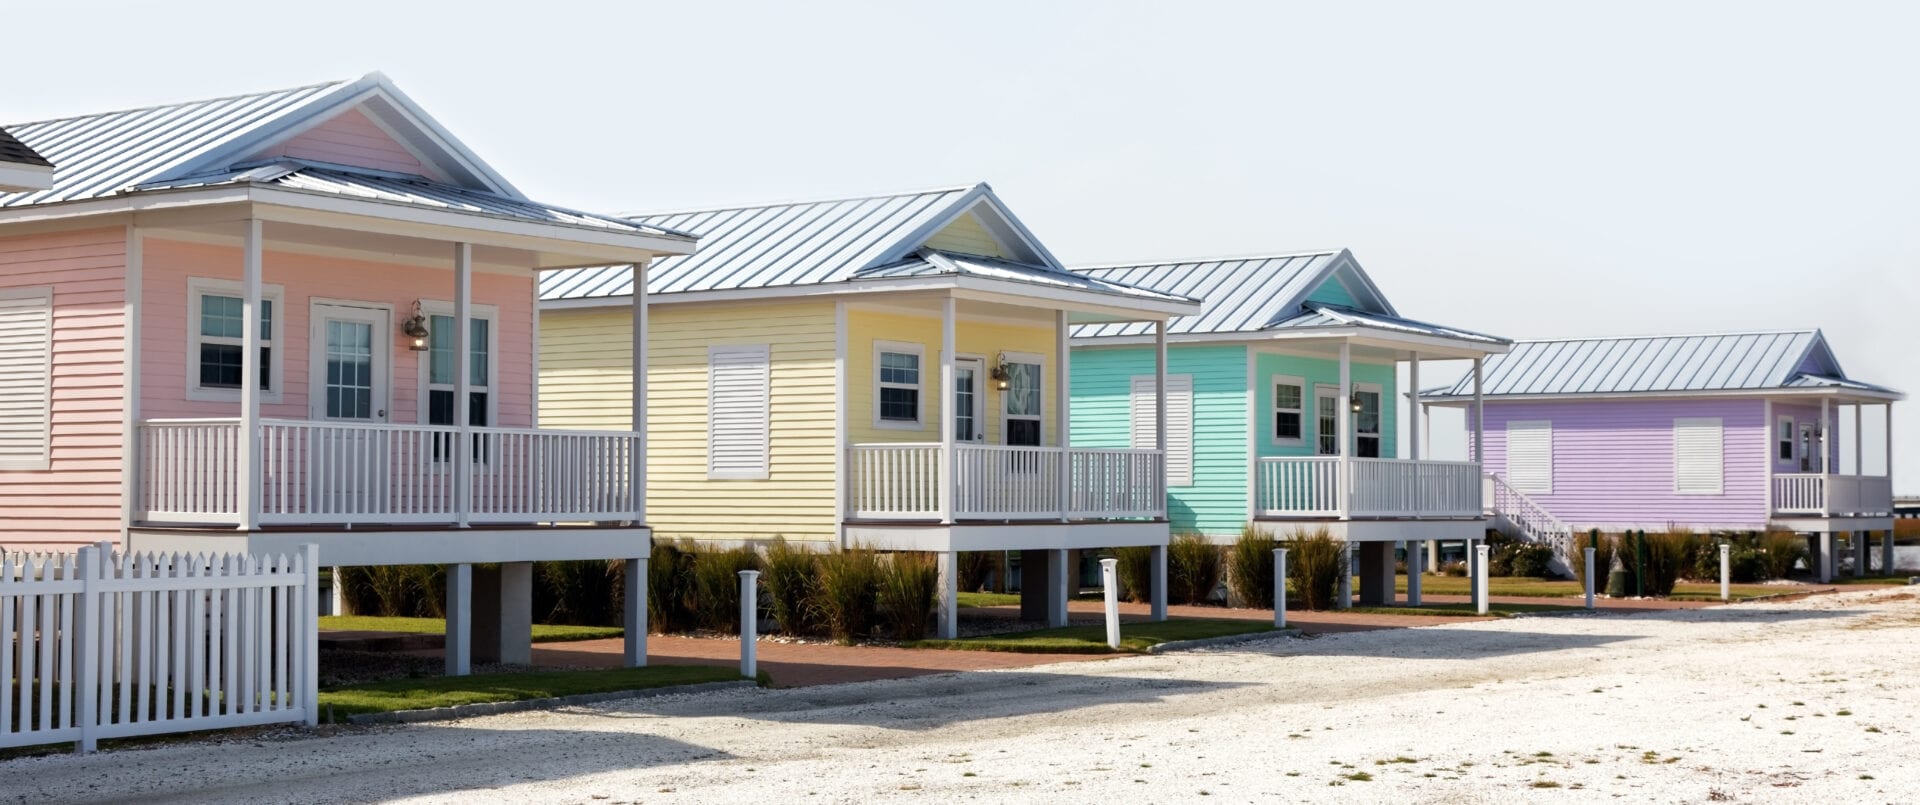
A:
x,y
1613,461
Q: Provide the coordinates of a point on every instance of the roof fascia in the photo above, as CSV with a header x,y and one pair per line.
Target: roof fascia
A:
x,y
1451,349
977,196
600,246
1865,395
16,177
977,288
1345,260
1817,343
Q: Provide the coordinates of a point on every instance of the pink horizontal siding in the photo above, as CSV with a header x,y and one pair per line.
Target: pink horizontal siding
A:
x,y
1613,461
77,500
165,364
350,138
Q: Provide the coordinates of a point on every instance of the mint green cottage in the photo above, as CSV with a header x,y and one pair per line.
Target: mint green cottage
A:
x,y
1281,404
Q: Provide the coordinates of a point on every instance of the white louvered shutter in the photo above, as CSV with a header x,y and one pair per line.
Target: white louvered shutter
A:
x,y
738,412
1698,460
1530,456
1179,424
26,375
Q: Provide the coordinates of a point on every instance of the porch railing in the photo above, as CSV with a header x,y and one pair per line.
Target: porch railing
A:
x,y
1827,494
331,473
1318,487
902,481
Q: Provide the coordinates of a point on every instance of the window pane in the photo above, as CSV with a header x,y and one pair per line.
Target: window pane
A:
x,y
1368,420
964,397
440,352
1024,432
1023,389
899,367
266,320
1286,395
477,345
220,316
219,366
900,405
1286,425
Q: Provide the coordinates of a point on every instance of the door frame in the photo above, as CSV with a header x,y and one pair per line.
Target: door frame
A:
x,y
382,353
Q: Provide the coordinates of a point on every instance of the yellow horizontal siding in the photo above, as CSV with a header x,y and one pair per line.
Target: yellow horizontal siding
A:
x,y
967,236
585,377
976,339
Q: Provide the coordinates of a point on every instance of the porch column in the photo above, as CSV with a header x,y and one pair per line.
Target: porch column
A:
x,y
1157,584
1059,592
1160,405
1828,555
1426,428
459,650
1826,424
1859,454
1343,597
1345,429
1413,398
637,472
502,625
948,564
1414,570
247,469
1886,552
1479,415
948,456
1376,573
633,649
1062,406
1433,556
463,381
1859,539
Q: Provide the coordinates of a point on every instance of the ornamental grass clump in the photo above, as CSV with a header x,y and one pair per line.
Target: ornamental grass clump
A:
x,y
716,586
1314,564
1780,551
1250,567
788,575
670,588
978,569
1135,568
1668,556
406,591
589,592
906,594
846,594
1604,546
1193,569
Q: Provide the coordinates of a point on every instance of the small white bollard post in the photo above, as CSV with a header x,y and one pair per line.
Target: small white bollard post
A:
x,y
749,622
1480,578
1279,588
1110,581
1589,578
1727,571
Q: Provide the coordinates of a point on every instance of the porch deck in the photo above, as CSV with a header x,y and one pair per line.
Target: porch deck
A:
x,y
905,483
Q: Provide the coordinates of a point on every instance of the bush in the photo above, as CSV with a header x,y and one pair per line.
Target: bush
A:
x,y
1527,560
589,592
1135,569
716,586
408,591
1314,564
846,591
789,579
670,589
1604,546
1780,551
1250,567
1193,569
979,569
907,595
1457,569
1668,555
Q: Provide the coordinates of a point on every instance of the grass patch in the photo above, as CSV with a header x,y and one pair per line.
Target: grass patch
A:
x,y
1466,610
1135,638
447,691
989,599
542,632
1557,588
1874,581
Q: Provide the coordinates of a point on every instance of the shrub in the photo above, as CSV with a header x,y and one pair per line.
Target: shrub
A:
x,y
1456,569
1314,564
1250,567
1135,569
1604,546
1193,569
1748,565
1668,555
978,569
590,592
907,594
412,591
845,594
716,586
789,579
1780,551
1529,560
670,588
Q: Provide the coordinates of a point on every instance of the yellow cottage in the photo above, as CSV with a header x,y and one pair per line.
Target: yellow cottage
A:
x,y
887,371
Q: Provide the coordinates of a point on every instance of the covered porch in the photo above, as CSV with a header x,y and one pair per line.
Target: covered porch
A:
x,y
1828,501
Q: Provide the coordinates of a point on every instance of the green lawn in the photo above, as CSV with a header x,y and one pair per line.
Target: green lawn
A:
x,y
1558,588
1466,610
446,691
1135,638
1873,581
989,599
542,633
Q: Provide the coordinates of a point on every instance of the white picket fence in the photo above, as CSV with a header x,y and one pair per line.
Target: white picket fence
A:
x,y
98,644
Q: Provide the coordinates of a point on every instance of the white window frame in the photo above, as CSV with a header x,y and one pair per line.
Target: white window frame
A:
x,y
425,387
1521,485
44,461
765,470
920,410
202,286
982,380
1274,409
1720,425
1792,441
1353,418
1032,359
1316,433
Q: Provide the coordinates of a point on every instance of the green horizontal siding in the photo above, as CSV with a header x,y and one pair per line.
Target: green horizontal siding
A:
x,y
1331,292
1322,372
1102,378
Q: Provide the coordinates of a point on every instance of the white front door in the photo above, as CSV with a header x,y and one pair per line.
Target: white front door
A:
x,y
968,400
348,381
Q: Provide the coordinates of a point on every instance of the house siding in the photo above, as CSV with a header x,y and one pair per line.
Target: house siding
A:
x,y
1331,292
586,382
981,339
350,138
1613,462
967,236
1216,504
76,500
1319,372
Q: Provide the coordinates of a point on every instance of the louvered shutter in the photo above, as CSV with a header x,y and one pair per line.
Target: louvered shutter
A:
x,y
1179,424
738,427
1530,456
26,374
1698,460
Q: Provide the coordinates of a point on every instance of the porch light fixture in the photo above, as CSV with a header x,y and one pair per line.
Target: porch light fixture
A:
x,y
1000,373
415,328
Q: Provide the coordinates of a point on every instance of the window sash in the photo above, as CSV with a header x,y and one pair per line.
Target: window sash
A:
x,y
1289,417
898,386
227,317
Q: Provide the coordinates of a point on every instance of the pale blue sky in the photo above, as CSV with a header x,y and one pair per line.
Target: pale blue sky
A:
x,y
1525,169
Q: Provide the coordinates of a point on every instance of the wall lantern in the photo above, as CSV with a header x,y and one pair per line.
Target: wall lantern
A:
x,y
1000,373
416,329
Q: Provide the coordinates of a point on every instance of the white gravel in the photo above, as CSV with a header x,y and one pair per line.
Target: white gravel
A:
x,y
1804,701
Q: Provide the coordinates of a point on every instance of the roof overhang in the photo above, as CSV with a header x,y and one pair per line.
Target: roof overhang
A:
x,y
1834,394
20,177
1430,347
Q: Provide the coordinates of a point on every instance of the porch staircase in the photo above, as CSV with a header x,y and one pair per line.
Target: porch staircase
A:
x,y
1510,511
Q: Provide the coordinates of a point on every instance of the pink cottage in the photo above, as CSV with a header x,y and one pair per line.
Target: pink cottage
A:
x,y
303,316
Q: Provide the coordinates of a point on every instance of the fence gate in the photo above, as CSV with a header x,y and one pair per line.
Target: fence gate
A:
x,y
98,644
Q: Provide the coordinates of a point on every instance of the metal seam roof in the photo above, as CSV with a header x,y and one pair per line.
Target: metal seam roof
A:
x,y
933,262
1715,362
1238,295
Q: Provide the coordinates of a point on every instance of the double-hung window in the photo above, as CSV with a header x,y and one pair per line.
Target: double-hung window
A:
x,y
440,365
1326,420
1783,439
216,333
1366,421
1289,411
898,385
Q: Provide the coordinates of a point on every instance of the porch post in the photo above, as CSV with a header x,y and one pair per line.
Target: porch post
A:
x,y
1062,406
462,382
633,647
1345,429
459,645
637,472
1059,587
1426,428
1826,468
247,469
948,456
947,627
1160,405
1859,454
1413,397
1157,584
1479,415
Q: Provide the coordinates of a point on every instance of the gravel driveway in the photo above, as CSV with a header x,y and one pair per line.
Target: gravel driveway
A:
x,y
1803,701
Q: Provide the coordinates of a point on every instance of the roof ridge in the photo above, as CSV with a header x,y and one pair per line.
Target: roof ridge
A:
x,y
797,202
150,107
1219,259
1725,334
